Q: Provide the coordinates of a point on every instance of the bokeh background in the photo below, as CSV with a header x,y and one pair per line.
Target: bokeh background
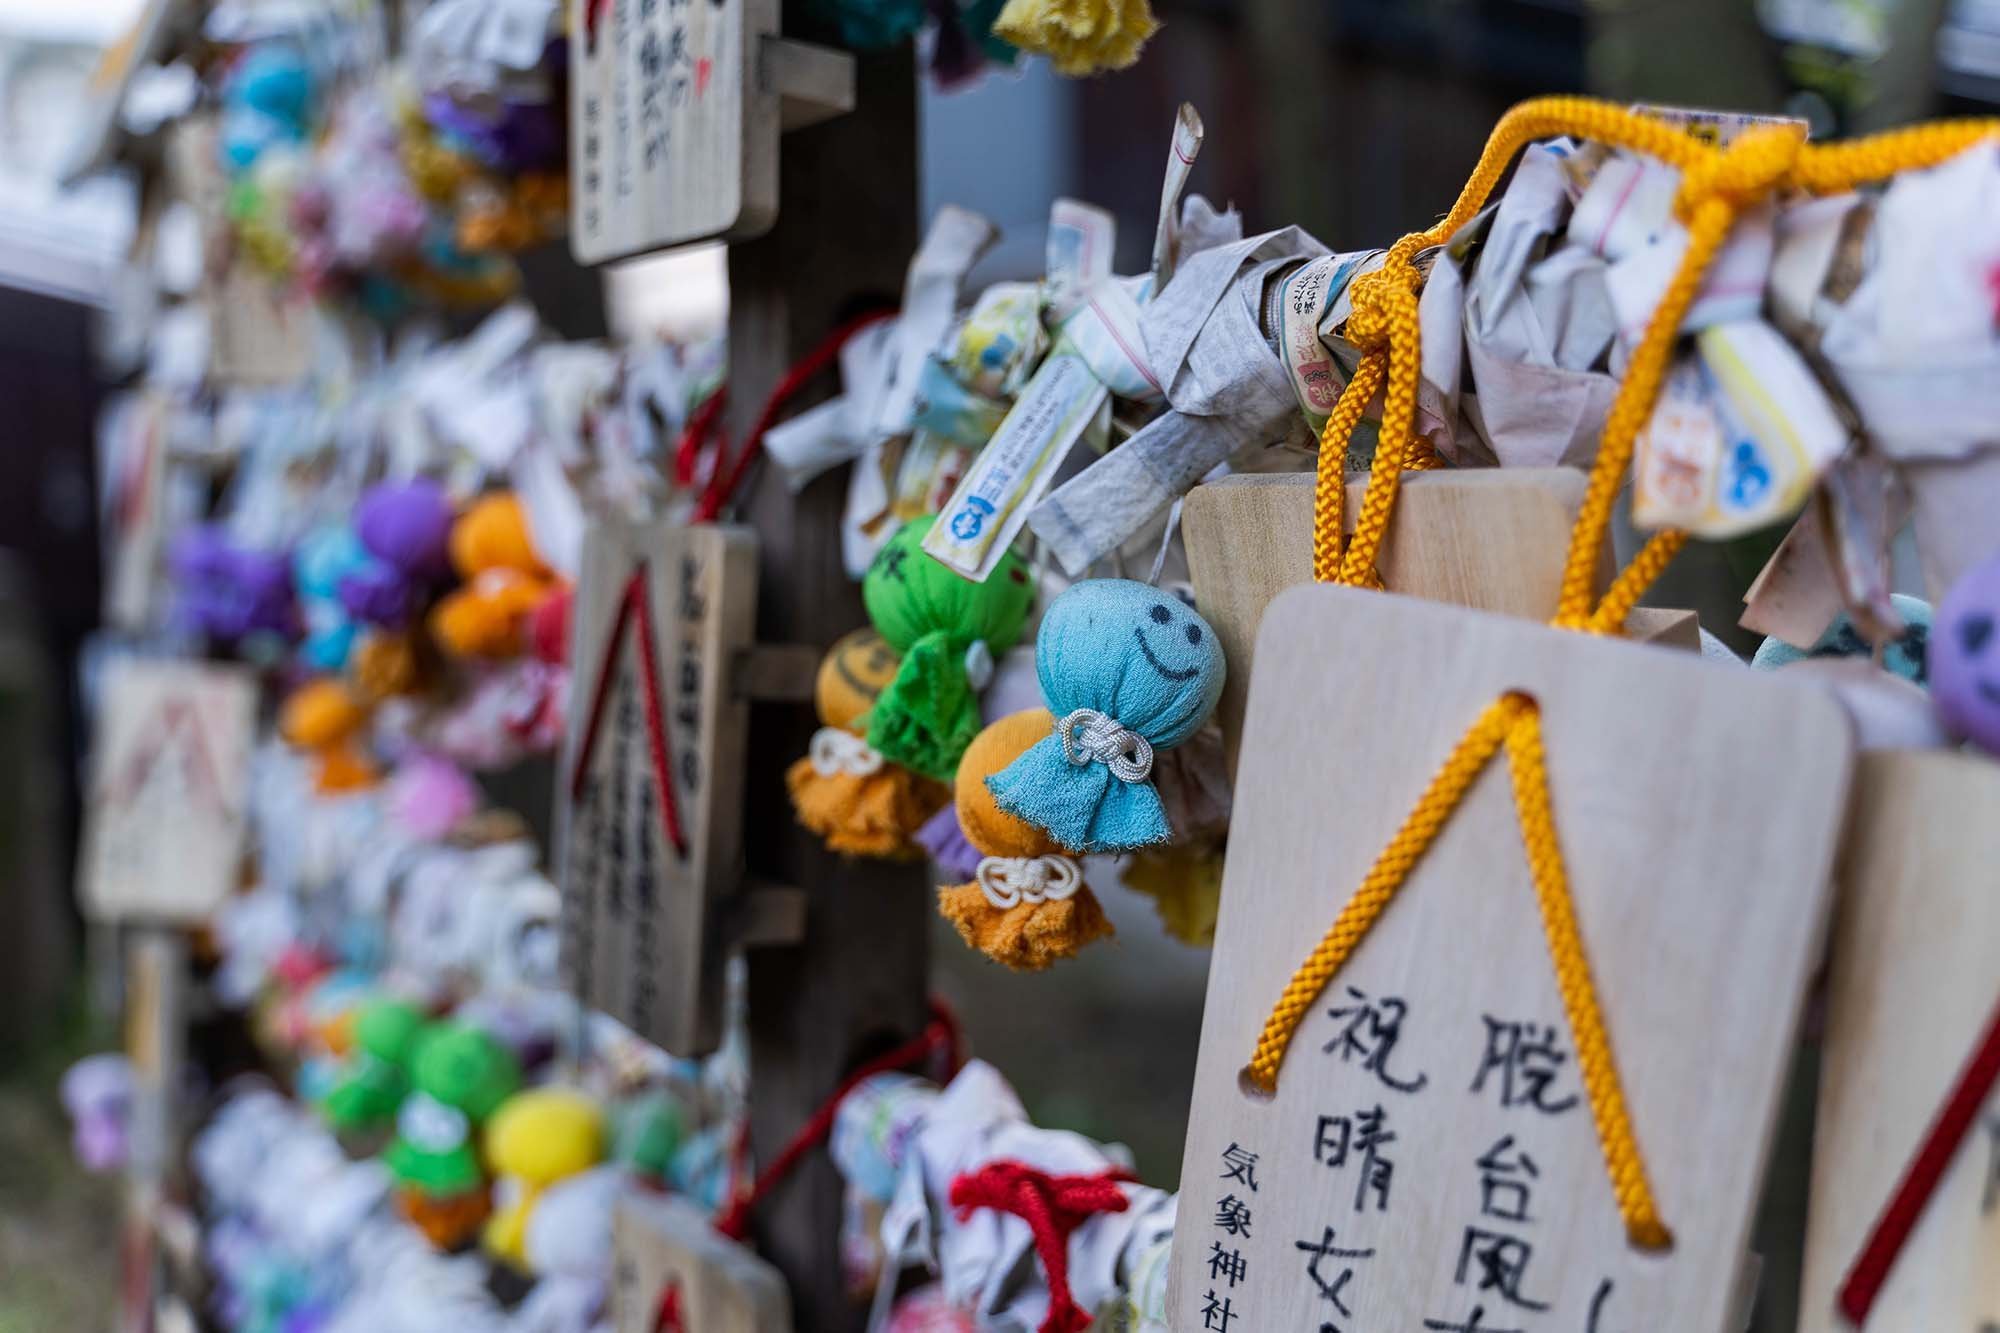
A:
x,y
1356,119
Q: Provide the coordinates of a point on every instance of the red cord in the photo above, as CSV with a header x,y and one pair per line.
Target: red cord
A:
x,y
940,1034
1892,1230
593,14
728,475
670,1319
1053,1207
703,422
635,605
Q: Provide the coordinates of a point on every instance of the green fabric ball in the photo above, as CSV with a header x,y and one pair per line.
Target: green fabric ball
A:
x,y
462,1067
366,1095
647,1132
929,713
435,1149
386,1029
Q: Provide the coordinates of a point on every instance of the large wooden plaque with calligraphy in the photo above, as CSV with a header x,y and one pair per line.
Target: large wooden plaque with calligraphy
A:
x,y
164,828
673,134
1914,982
1429,1162
651,800
667,1256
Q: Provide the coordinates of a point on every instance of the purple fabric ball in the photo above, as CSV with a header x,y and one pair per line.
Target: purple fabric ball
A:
x,y
945,841
379,595
199,554
1965,656
408,525
260,591
229,592
516,137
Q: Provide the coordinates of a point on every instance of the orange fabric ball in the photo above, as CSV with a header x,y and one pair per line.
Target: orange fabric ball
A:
x,y
488,617
986,826
321,715
493,533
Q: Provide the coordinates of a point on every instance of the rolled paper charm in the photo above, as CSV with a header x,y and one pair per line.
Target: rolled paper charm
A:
x,y
947,630
1008,881
1027,905
1129,671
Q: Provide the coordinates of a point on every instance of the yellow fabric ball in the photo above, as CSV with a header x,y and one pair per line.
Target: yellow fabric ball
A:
x,y
543,1135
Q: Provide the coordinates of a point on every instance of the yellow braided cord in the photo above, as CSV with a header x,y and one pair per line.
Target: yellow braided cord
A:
x,y
1391,868
1330,479
1528,764
1716,186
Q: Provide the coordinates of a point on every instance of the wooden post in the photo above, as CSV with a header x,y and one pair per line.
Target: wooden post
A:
x,y
156,1042
846,229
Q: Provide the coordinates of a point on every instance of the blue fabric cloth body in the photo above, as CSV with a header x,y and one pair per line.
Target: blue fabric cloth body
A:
x,y
1143,659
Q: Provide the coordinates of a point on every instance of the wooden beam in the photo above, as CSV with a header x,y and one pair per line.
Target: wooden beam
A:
x,y
855,983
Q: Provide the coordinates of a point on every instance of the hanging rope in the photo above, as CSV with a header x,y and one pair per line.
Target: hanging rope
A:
x,y
940,1034
668,1318
1920,1180
727,477
1717,184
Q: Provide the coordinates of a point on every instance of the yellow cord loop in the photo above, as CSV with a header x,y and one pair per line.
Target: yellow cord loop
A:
x,y
1717,185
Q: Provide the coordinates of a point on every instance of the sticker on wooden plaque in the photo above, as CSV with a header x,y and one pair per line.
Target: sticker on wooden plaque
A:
x,y
1913,992
164,828
672,1271
1429,1160
653,787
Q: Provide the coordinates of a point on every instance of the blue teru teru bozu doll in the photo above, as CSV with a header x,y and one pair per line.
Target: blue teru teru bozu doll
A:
x,y
1127,670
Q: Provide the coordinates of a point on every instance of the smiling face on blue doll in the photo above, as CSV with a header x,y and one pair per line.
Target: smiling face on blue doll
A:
x,y
1131,651
1171,627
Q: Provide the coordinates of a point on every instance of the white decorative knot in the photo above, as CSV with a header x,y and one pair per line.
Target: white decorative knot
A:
x,y
836,751
1087,735
1011,880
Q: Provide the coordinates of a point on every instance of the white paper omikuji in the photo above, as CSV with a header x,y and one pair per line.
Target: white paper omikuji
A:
x,y
1532,341
1226,390
987,1260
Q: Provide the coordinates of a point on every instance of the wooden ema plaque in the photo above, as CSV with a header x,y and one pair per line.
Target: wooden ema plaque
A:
x,y
653,776
1429,1160
1490,538
675,111
1912,990
164,827
671,1273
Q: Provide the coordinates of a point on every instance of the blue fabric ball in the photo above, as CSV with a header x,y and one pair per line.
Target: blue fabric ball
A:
x,y
1140,657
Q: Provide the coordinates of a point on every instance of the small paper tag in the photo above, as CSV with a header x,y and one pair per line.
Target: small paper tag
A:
x,y
1012,472
1315,378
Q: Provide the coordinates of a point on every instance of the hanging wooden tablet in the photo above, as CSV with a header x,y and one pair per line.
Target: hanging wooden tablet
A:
x,y
672,1273
675,111
1429,1158
1912,996
651,802
170,770
1490,538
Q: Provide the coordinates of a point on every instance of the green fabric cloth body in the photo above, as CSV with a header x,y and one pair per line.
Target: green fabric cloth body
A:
x,y
929,713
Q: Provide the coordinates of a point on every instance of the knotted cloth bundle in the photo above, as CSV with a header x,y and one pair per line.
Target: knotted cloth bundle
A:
x,y
930,712
844,790
1027,905
1127,670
